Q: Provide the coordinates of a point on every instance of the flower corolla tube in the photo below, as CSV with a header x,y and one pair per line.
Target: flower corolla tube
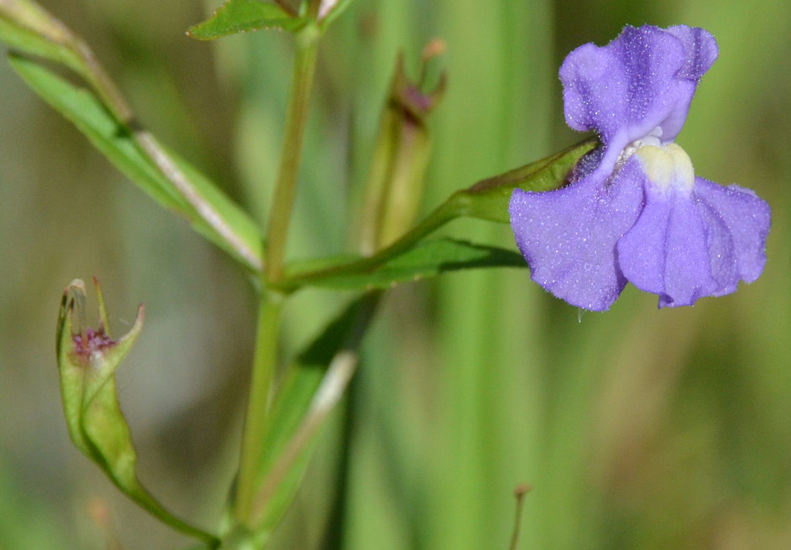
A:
x,y
633,209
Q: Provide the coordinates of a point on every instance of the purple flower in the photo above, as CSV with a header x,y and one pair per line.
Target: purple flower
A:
x,y
633,209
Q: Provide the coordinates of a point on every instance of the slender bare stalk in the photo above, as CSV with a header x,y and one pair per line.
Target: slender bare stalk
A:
x,y
521,490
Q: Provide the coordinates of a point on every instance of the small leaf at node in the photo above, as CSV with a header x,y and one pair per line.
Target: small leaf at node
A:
x,y
236,16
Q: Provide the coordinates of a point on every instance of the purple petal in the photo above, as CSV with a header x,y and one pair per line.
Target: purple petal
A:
x,y
747,218
684,247
568,236
666,252
642,80
721,249
701,50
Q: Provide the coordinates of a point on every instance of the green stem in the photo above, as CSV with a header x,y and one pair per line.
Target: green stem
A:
x,y
265,359
264,363
144,500
285,189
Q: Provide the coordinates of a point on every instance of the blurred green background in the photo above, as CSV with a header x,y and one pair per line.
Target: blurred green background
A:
x,y
636,428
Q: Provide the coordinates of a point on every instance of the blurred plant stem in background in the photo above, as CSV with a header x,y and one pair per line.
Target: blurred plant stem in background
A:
x,y
636,428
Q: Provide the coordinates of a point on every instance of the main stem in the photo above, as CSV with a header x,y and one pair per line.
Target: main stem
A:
x,y
285,190
264,363
265,359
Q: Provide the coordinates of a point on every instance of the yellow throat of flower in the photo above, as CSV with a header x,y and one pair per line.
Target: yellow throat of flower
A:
x,y
667,167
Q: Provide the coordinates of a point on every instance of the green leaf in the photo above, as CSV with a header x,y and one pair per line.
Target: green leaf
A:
x,y
35,36
29,28
488,199
87,361
406,259
426,259
236,16
115,141
296,406
169,180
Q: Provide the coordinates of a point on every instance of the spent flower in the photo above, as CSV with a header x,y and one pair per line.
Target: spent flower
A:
x,y
633,209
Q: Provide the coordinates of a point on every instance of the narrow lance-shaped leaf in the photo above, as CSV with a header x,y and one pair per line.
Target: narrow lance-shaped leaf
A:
x,y
115,141
87,361
236,16
28,28
409,259
426,259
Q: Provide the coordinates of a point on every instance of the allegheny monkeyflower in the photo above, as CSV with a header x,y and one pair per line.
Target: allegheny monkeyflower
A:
x,y
633,209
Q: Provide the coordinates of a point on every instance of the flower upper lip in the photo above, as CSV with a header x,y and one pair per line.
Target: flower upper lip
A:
x,y
642,81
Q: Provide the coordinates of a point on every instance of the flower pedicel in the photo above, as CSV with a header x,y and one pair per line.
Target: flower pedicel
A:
x,y
633,209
